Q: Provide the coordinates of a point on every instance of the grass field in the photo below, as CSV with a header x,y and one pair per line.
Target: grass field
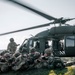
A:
x,y
65,71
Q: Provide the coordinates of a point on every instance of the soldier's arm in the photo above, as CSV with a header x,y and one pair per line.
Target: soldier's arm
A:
x,y
16,44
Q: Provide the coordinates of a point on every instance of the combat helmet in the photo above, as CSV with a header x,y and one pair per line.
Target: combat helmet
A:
x,y
11,39
32,49
7,56
37,55
48,51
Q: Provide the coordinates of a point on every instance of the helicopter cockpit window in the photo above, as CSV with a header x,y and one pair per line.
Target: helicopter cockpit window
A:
x,y
25,42
31,43
70,41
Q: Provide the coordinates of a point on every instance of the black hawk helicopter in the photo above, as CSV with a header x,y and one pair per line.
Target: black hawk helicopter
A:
x,y
62,37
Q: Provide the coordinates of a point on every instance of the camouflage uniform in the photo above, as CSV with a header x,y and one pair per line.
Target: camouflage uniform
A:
x,y
5,64
31,55
20,63
58,63
5,51
51,61
12,46
34,58
37,60
47,59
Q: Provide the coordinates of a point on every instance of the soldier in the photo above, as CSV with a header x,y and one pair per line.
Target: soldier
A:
x,y
12,46
5,51
48,52
23,51
32,58
5,64
31,55
37,60
47,59
58,63
1,62
20,62
51,61
32,52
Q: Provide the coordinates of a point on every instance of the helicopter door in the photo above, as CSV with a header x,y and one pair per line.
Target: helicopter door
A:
x,y
70,45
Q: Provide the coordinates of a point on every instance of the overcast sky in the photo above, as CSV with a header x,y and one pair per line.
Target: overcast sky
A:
x,y
13,17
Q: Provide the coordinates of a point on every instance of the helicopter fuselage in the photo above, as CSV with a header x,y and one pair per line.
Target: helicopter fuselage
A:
x,y
60,39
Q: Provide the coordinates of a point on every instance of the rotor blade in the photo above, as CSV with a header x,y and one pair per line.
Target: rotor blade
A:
x,y
33,10
64,21
44,25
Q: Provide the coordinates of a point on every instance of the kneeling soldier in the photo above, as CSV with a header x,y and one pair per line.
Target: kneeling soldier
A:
x,y
52,62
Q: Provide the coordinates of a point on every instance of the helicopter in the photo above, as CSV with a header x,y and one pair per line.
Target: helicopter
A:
x,y
62,38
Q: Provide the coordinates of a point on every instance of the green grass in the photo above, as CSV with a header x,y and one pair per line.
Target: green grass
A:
x,y
65,71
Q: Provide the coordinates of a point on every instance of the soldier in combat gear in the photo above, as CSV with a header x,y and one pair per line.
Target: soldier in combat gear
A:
x,y
12,46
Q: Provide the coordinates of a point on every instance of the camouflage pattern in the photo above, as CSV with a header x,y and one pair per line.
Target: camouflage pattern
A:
x,y
4,64
16,54
32,49
12,46
20,62
24,61
36,55
48,52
